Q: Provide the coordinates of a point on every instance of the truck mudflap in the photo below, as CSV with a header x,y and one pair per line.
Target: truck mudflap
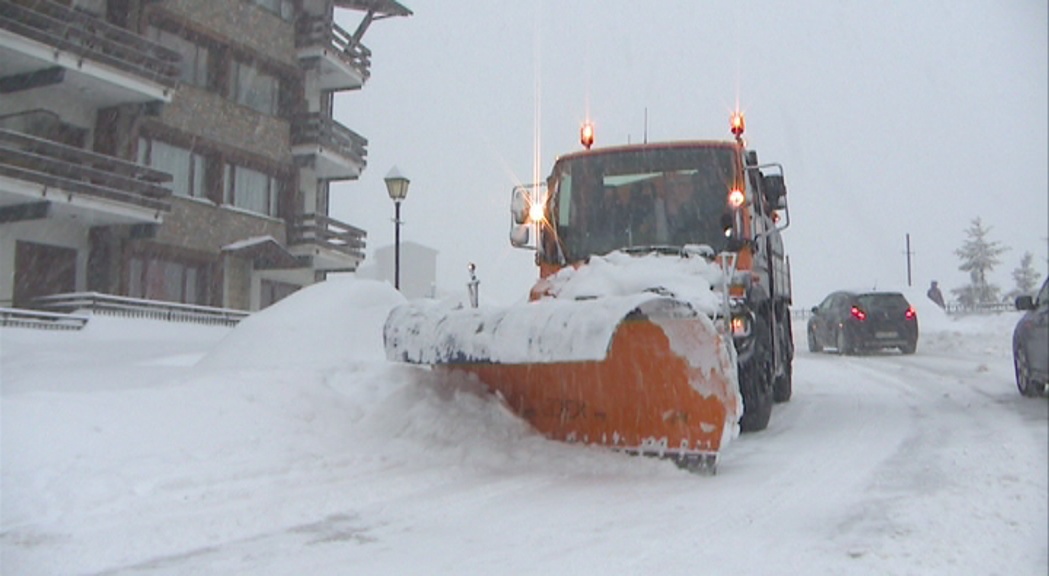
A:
x,y
645,374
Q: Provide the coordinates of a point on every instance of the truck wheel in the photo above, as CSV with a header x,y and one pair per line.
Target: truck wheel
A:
x,y
783,388
755,381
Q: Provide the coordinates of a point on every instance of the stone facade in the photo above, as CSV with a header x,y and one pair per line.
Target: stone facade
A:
x,y
217,119
240,22
197,225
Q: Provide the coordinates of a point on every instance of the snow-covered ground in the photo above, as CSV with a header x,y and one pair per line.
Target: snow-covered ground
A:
x,y
289,445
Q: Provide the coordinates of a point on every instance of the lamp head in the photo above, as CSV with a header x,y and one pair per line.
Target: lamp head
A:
x,y
396,185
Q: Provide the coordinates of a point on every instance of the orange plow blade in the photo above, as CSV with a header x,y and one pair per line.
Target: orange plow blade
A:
x,y
653,378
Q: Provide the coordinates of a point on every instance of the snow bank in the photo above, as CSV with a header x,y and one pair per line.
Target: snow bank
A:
x,y
618,274
329,324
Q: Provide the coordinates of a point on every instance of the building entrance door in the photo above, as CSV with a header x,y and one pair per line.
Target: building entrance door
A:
x,y
41,270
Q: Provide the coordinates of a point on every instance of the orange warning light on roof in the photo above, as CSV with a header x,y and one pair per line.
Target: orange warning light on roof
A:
x,y
586,135
738,124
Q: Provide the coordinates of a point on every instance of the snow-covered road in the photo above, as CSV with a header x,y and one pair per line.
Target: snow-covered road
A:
x,y
136,447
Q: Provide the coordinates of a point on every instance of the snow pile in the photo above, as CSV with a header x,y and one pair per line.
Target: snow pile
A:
x,y
618,274
575,321
331,323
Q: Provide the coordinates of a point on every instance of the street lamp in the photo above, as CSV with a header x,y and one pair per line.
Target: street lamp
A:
x,y
397,186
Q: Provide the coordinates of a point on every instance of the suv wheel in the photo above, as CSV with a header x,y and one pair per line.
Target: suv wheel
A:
x,y
844,342
1024,382
814,345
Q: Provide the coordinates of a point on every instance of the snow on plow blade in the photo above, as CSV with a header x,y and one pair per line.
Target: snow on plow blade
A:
x,y
644,374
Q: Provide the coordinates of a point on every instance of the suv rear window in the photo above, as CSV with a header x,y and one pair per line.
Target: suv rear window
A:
x,y
890,302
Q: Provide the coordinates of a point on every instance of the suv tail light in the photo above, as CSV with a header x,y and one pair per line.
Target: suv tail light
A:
x,y
858,314
910,314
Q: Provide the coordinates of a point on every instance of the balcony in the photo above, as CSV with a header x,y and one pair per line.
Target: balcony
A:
x,y
324,48
332,150
330,244
44,43
44,179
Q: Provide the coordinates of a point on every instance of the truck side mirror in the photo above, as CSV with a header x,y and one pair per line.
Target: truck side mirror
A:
x,y
775,191
519,204
520,235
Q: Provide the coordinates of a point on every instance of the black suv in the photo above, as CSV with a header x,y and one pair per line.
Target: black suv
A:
x,y
1031,343
853,321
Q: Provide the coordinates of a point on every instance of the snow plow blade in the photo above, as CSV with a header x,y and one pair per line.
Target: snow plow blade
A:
x,y
644,374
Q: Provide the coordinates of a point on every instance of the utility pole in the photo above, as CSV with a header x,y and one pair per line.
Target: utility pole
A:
x,y
908,253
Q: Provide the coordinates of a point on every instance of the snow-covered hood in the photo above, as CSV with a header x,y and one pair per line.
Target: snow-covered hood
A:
x,y
692,279
574,320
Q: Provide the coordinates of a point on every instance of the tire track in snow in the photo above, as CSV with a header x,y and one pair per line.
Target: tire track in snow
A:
x,y
925,490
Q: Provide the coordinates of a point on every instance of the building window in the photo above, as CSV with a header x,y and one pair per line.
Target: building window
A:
x,y
135,268
253,88
168,280
194,56
283,8
273,291
185,167
251,190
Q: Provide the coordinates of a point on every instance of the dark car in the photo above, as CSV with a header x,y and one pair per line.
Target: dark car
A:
x,y
851,322
1031,343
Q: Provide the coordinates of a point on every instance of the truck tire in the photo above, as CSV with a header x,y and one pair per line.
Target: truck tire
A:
x,y
783,387
755,381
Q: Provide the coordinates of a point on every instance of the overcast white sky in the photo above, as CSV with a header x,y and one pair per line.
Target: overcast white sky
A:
x,y
910,117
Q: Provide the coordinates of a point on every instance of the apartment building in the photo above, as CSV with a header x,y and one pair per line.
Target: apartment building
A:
x,y
177,150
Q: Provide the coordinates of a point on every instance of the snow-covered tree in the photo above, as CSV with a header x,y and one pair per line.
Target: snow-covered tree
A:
x,y
979,256
1025,276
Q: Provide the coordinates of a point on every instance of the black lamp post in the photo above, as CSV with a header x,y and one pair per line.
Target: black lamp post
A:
x,y
397,186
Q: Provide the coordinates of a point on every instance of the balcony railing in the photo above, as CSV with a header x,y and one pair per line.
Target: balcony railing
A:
x,y
90,37
327,232
323,131
111,305
317,31
73,170
23,318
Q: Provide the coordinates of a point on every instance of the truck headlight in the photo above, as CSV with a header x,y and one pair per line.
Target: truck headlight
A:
x,y
740,326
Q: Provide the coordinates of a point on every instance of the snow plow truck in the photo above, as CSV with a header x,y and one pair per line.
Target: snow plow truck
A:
x,y
660,322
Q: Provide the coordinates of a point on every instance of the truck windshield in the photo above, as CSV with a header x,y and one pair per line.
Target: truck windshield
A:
x,y
643,197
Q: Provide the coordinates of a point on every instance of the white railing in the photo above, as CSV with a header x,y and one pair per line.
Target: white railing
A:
x,y
22,318
141,308
955,308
